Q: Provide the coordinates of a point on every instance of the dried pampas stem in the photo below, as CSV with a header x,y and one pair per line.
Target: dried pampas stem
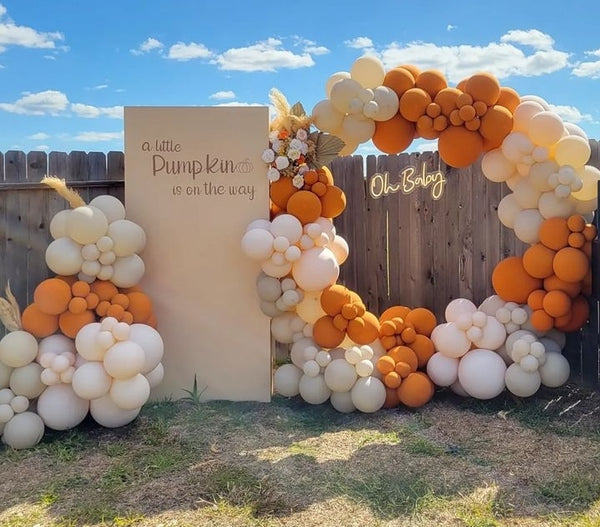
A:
x,y
74,199
289,119
10,314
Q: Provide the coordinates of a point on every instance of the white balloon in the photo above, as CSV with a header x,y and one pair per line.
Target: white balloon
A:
x,y
55,344
128,237
61,408
442,370
91,380
156,376
450,340
555,371
288,226
340,375
63,256
127,271
112,207
336,77
24,430
457,307
106,413
368,70
86,224
491,305
257,244
508,210
368,394
527,225
316,269
18,348
130,394
342,402
151,342
343,92
520,382
26,380
5,372
496,167
552,206
286,380
326,117
481,373
58,224
493,335
124,360
387,103
87,344
313,389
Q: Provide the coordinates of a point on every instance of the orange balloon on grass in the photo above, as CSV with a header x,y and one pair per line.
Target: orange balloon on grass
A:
x,y
416,390
512,282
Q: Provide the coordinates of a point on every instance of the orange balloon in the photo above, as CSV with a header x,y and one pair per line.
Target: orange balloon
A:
x,y
115,311
80,288
414,70
432,81
425,128
334,297
77,305
325,175
590,232
535,300
416,390
483,87
92,300
496,124
333,202
104,289
570,264
364,329
576,223
102,308
392,379
326,335
311,177
399,80
509,98
38,323
394,312
553,283
404,355
554,233
580,312
305,205
140,306
541,320
422,319
423,348
447,99
537,261
394,135
70,323
413,104
459,147
512,282
391,398
52,296
557,303
281,191
385,364
127,317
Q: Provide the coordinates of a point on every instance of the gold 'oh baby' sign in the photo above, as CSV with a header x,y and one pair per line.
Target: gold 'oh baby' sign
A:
x,y
409,180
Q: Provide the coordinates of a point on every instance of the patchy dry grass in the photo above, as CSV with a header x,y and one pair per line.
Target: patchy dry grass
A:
x,y
455,462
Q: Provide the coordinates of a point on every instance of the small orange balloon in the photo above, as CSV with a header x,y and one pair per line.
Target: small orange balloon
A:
x,y
385,364
333,202
553,283
80,288
77,305
541,320
140,306
446,99
576,223
535,300
423,320
580,312
70,323
392,379
104,289
404,354
334,297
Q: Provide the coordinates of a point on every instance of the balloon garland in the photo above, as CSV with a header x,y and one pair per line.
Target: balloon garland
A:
x,y
343,353
87,343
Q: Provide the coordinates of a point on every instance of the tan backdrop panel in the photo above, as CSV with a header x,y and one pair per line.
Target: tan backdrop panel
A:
x,y
194,180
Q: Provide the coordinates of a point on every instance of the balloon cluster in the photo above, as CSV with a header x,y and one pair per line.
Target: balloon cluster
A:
x,y
98,351
481,351
392,108
95,241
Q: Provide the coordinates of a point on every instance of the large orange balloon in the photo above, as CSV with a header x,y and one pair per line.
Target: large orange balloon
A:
x,y
432,81
326,335
333,202
459,147
483,87
416,390
512,282
422,319
447,99
394,135
570,264
281,191
580,312
496,124
334,297
537,261
554,233
38,323
52,296
509,98
399,80
305,206
413,104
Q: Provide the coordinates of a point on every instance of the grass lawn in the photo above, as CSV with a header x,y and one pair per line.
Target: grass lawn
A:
x,y
455,462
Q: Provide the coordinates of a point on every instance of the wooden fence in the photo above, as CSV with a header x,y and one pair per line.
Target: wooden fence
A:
x,y
408,249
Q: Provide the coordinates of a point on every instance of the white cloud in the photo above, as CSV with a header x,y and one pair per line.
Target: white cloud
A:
x,y
238,103
500,58
13,35
263,56
359,43
148,45
450,27
91,112
222,95
49,102
90,137
40,136
43,148
183,52
534,38
309,46
100,87
589,69
570,114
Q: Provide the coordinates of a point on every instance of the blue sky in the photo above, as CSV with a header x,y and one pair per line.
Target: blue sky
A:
x,y
67,67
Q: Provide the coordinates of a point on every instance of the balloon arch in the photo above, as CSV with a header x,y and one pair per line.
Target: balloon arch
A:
x,y
513,340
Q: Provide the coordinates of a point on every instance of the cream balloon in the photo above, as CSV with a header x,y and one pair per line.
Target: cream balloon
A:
x,y
26,380
309,308
343,93
336,77
130,394
590,176
313,389
387,103
112,207
326,117
572,150
91,380
368,394
442,370
63,256
340,375
342,402
124,360
496,167
527,225
368,71
546,128
316,269
24,430
357,128
286,380
128,271
106,413
61,408
128,237
58,224
508,210
523,114
520,382
18,348
481,373
86,224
